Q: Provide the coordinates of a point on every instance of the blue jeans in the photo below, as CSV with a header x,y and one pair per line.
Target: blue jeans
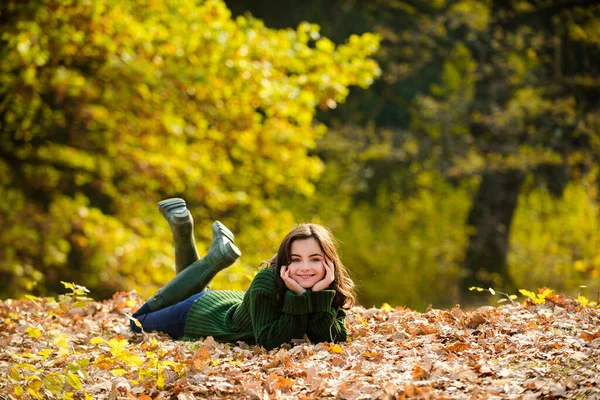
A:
x,y
169,320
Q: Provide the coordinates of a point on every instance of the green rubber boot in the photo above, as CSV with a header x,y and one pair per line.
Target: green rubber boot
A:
x,y
182,226
195,277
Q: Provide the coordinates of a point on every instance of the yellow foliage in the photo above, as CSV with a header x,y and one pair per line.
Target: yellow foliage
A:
x,y
537,298
555,241
117,104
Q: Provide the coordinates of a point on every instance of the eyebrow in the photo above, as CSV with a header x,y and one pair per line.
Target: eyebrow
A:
x,y
312,255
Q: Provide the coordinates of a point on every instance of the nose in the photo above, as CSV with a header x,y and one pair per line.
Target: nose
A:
x,y
305,266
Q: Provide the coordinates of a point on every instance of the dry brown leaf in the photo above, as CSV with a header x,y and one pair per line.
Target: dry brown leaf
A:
x,y
485,353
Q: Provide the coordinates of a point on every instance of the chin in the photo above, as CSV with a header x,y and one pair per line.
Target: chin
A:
x,y
307,286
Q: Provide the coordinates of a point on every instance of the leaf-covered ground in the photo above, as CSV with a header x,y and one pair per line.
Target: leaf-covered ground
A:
x,y
62,349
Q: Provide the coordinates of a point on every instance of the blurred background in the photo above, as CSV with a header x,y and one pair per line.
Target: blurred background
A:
x,y
446,143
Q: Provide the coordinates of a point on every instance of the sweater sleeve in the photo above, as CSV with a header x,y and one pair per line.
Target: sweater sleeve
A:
x,y
326,323
273,326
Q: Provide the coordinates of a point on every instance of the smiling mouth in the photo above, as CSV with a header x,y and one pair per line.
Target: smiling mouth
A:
x,y
305,276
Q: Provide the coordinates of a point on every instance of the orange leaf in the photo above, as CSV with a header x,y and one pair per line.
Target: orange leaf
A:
x,y
588,337
457,347
532,325
418,373
279,382
409,389
371,354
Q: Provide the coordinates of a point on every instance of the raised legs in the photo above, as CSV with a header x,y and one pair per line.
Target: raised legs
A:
x,y
192,278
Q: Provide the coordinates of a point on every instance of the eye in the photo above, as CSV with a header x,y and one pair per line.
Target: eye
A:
x,y
315,259
294,260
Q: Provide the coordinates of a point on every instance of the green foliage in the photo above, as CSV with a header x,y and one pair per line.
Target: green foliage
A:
x,y
403,250
555,241
108,106
410,255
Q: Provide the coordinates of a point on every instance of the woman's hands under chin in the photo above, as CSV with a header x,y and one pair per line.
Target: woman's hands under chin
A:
x,y
290,283
327,279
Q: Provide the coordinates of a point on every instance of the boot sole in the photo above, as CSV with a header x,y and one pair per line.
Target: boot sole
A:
x,y
168,205
219,229
174,210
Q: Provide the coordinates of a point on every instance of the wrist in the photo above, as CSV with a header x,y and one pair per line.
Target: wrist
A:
x,y
300,291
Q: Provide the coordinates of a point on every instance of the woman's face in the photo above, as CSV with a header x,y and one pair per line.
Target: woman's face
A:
x,y
307,262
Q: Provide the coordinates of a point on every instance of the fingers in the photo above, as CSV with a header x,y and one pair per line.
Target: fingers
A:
x,y
328,269
289,282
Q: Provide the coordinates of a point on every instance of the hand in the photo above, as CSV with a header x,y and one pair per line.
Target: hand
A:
x,y
290,283
327,279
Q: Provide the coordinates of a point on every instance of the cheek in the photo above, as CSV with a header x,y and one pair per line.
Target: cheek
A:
x,y
321,272
293,268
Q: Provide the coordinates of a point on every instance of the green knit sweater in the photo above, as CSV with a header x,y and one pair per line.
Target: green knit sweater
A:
x,y
253,317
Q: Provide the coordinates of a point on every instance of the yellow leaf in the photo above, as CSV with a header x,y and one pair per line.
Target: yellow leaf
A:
x,y
98,340
132,359
160,382
336,348
386,307
34,389
118,372
117,346
14,373
87,397
34,332
215,362
45,353
29,367
583,301
68,285
19,391
74,381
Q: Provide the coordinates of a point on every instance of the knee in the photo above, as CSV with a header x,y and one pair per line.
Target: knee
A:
x,y
144,309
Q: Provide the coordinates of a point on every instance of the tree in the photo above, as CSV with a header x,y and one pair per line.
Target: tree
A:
x,y
108,106
481,91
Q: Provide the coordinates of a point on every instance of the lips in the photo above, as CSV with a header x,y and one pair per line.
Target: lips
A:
x,y
305,276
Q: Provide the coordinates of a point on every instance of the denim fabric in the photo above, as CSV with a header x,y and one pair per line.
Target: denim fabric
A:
x,y
169,320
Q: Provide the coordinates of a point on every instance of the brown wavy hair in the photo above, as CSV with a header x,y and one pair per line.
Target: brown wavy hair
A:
x,y
342,284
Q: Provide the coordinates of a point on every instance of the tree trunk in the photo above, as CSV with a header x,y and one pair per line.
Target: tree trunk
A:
x,y
490,220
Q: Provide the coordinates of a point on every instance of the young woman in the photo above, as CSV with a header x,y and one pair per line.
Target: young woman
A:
x,y
304,290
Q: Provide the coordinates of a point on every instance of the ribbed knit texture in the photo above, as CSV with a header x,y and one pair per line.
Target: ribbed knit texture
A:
x,y
254,317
